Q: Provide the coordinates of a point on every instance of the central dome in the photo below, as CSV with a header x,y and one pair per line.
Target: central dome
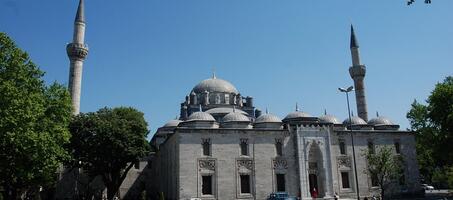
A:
x,y
215,85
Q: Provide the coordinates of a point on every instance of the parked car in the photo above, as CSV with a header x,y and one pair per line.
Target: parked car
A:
x,y
427,187
280,196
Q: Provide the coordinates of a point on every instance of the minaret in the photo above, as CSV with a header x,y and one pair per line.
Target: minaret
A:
x,y
77,52
357,72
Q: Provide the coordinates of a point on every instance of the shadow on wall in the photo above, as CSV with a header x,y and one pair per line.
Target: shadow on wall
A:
x,y
137,185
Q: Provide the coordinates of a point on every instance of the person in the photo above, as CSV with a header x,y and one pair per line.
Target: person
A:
x,y
314,193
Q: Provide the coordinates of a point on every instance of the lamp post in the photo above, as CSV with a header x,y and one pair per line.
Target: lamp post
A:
x,y
346,91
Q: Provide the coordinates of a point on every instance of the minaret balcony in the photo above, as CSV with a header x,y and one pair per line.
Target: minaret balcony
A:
x,y
357,71
77,51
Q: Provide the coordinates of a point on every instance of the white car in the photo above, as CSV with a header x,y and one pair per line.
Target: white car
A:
x,y
427,187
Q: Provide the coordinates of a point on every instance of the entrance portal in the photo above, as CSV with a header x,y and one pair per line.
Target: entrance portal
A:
x,y
316,170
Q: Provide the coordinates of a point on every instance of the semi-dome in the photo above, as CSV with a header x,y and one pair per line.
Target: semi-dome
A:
x,y
297,114
215,85
267,118
173,123
200,116
235,117
355,121
380,121
329,119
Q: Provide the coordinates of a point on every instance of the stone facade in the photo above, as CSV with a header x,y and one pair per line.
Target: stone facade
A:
x,y
222,147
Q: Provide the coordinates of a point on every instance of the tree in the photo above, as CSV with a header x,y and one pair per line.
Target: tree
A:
x,y
433,127
108,143
384,167
34,121
410,2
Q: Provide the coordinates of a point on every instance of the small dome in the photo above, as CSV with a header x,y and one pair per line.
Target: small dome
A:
x,y
329,119
235,117
268,118
215,85
355,121
224,110
380,121
297,114
172,123
200,116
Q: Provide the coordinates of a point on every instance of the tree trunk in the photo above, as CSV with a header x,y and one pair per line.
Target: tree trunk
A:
x,y
10,193
111,191
382,193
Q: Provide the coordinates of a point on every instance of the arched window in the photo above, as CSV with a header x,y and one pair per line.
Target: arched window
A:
x,y
279,147
342,145
371,147
206,144
244,147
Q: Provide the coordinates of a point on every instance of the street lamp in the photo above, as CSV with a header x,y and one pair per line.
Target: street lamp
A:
x,y
346,91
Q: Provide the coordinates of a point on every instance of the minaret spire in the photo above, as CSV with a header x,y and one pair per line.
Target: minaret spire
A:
x,y
357,72
354,42
77,52
80,16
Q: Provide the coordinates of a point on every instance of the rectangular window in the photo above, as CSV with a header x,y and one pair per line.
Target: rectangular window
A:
x,y
402,180
245,184
137,165
281,183
345,180
227,98
371,147
206,148
374,180
244,149
279,148
342,147
206,185
397,148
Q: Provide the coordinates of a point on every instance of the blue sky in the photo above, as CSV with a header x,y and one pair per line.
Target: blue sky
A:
x,y
150,53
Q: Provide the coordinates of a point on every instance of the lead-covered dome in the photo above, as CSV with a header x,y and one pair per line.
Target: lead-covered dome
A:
x,y
355,121
200,116
268,118
224,110
297,114
173,123
215,85
329,119
380,121
235,117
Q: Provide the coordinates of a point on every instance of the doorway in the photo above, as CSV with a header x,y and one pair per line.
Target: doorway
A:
x,y
313,182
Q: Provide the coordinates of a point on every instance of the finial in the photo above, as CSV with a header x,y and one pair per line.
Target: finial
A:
x,y
176,117
200,109
213,73
234,108
267,111
352,113
297,107
325,111
354,43
80,17
377,114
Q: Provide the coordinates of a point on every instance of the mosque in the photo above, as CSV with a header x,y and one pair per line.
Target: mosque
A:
x,y
223,147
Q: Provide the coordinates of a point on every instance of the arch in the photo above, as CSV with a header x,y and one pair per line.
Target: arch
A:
x,y
316,171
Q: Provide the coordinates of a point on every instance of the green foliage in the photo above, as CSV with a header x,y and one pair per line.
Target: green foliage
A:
x,y
450,176
433,127
384,166
108,142
410,2
34,122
